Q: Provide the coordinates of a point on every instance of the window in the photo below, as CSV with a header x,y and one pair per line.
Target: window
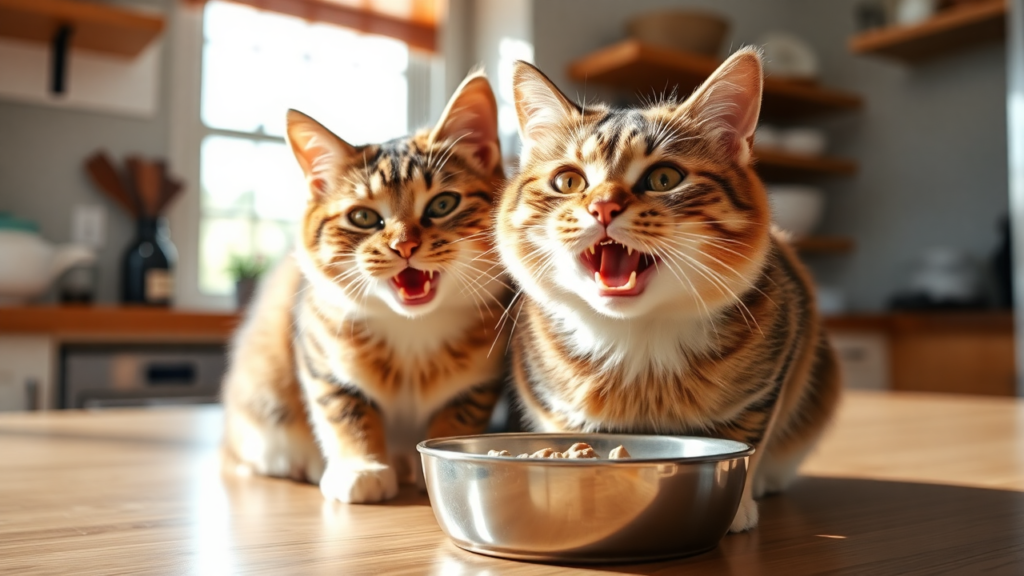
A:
x,y
256,65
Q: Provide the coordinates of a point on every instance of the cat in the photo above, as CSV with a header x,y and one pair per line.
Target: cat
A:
x,y
376,333
655,297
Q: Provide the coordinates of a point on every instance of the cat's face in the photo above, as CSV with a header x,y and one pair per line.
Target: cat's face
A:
x,y
405,224
637,210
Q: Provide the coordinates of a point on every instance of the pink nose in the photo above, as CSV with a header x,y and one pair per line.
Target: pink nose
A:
x,y
605,210
405,248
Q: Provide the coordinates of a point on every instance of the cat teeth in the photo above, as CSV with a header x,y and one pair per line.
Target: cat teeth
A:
x,y
629,251
430,274
592,249
426,286
627,286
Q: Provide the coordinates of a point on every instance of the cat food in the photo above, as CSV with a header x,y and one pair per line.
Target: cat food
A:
x,y
618,453
576,451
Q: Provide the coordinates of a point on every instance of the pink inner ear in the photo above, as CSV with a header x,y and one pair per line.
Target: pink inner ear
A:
x,y
483,154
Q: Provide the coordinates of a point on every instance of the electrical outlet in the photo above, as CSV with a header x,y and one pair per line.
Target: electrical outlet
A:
x,y
89,226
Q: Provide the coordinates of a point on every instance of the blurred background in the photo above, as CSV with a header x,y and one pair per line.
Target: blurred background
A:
x,y
145,184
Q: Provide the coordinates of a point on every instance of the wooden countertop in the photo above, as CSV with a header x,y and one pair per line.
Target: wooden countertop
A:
x,y
902,484
116,321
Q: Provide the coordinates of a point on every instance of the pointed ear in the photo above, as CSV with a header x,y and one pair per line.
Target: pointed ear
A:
x,y
729,102
320,153
541,107
471,120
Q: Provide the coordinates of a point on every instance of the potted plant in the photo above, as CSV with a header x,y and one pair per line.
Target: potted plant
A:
x,y
246,270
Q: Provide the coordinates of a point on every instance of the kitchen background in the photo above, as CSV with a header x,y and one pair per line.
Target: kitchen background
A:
x,y
912,183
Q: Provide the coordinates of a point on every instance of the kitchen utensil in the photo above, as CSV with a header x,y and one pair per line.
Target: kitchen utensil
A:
x,y
796,208
29,264
687,31
803,141
106,178
786,56
675,496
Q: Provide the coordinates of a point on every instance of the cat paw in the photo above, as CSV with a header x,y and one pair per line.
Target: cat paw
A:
x,y
746,516
361,483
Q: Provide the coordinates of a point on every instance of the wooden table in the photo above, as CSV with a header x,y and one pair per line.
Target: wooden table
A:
x,y
903,484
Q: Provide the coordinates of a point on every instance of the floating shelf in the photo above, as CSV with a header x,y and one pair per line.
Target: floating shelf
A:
x,y
778,165
633,65
99,27
823,245
948,31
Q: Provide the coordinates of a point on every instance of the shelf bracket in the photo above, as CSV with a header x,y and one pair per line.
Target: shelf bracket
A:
x,y
59,49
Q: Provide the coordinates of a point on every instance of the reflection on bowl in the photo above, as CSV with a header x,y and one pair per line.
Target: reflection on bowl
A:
x,y
796,209
675,496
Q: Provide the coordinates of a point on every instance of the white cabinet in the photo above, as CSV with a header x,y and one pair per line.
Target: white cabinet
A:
x,y
26,372
863,359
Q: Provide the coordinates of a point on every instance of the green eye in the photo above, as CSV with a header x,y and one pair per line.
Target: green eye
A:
x,y
570,182
663,178
442,205
365,218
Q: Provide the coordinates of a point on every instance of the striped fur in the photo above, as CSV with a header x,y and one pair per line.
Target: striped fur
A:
x,y
723,338
336,374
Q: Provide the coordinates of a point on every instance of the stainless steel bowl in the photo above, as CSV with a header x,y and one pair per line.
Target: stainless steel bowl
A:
x,y
676,496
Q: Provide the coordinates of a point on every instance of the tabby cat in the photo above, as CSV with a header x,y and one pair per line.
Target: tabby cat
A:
x,y
657,299
376,333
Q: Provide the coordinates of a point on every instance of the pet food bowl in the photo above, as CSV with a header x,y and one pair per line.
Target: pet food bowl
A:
x,y
675,496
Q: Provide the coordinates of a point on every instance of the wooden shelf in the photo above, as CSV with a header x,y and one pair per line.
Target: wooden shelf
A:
x,y
99,27
633,65
948,31
774,164
823,245
105,322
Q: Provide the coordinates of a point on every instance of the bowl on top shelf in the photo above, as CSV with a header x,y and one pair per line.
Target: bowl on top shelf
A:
x,y
788,57
683,30
797,209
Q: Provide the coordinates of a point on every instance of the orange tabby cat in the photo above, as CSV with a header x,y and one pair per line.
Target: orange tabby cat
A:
x,y
376,334
656,298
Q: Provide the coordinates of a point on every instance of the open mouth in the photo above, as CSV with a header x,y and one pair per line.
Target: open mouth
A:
x,y
618,269
415,286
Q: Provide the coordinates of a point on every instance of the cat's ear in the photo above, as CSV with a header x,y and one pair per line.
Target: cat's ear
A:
x,y
729,102
320,153
471,121
541,107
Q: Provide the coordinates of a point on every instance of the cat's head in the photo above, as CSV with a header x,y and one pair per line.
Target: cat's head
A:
x,y
403,225
638,210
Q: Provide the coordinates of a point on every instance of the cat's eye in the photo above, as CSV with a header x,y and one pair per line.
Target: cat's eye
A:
x,y
365,218
569,182
442,205
662,179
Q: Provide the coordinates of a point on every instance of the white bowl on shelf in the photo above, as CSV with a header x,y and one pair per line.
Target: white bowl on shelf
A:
x,y
796,208
803,141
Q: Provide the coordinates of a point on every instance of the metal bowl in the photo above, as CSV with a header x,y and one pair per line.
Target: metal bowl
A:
x,y
676,496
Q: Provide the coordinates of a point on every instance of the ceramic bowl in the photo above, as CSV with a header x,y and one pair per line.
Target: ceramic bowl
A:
x,y
796,209
687,31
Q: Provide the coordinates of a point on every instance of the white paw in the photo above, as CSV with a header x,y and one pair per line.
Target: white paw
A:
x,y
746,516
359,482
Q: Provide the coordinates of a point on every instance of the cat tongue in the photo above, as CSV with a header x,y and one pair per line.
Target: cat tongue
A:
x,y
617,264
413,281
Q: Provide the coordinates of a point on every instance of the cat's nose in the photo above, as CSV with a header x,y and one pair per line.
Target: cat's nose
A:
x,y
605,210
405,248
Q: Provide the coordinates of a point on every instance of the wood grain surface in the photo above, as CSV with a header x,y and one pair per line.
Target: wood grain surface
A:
x,y
98,322
902,484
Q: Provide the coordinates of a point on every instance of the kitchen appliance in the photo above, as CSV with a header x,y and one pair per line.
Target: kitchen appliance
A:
x,y
29,264
109,375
